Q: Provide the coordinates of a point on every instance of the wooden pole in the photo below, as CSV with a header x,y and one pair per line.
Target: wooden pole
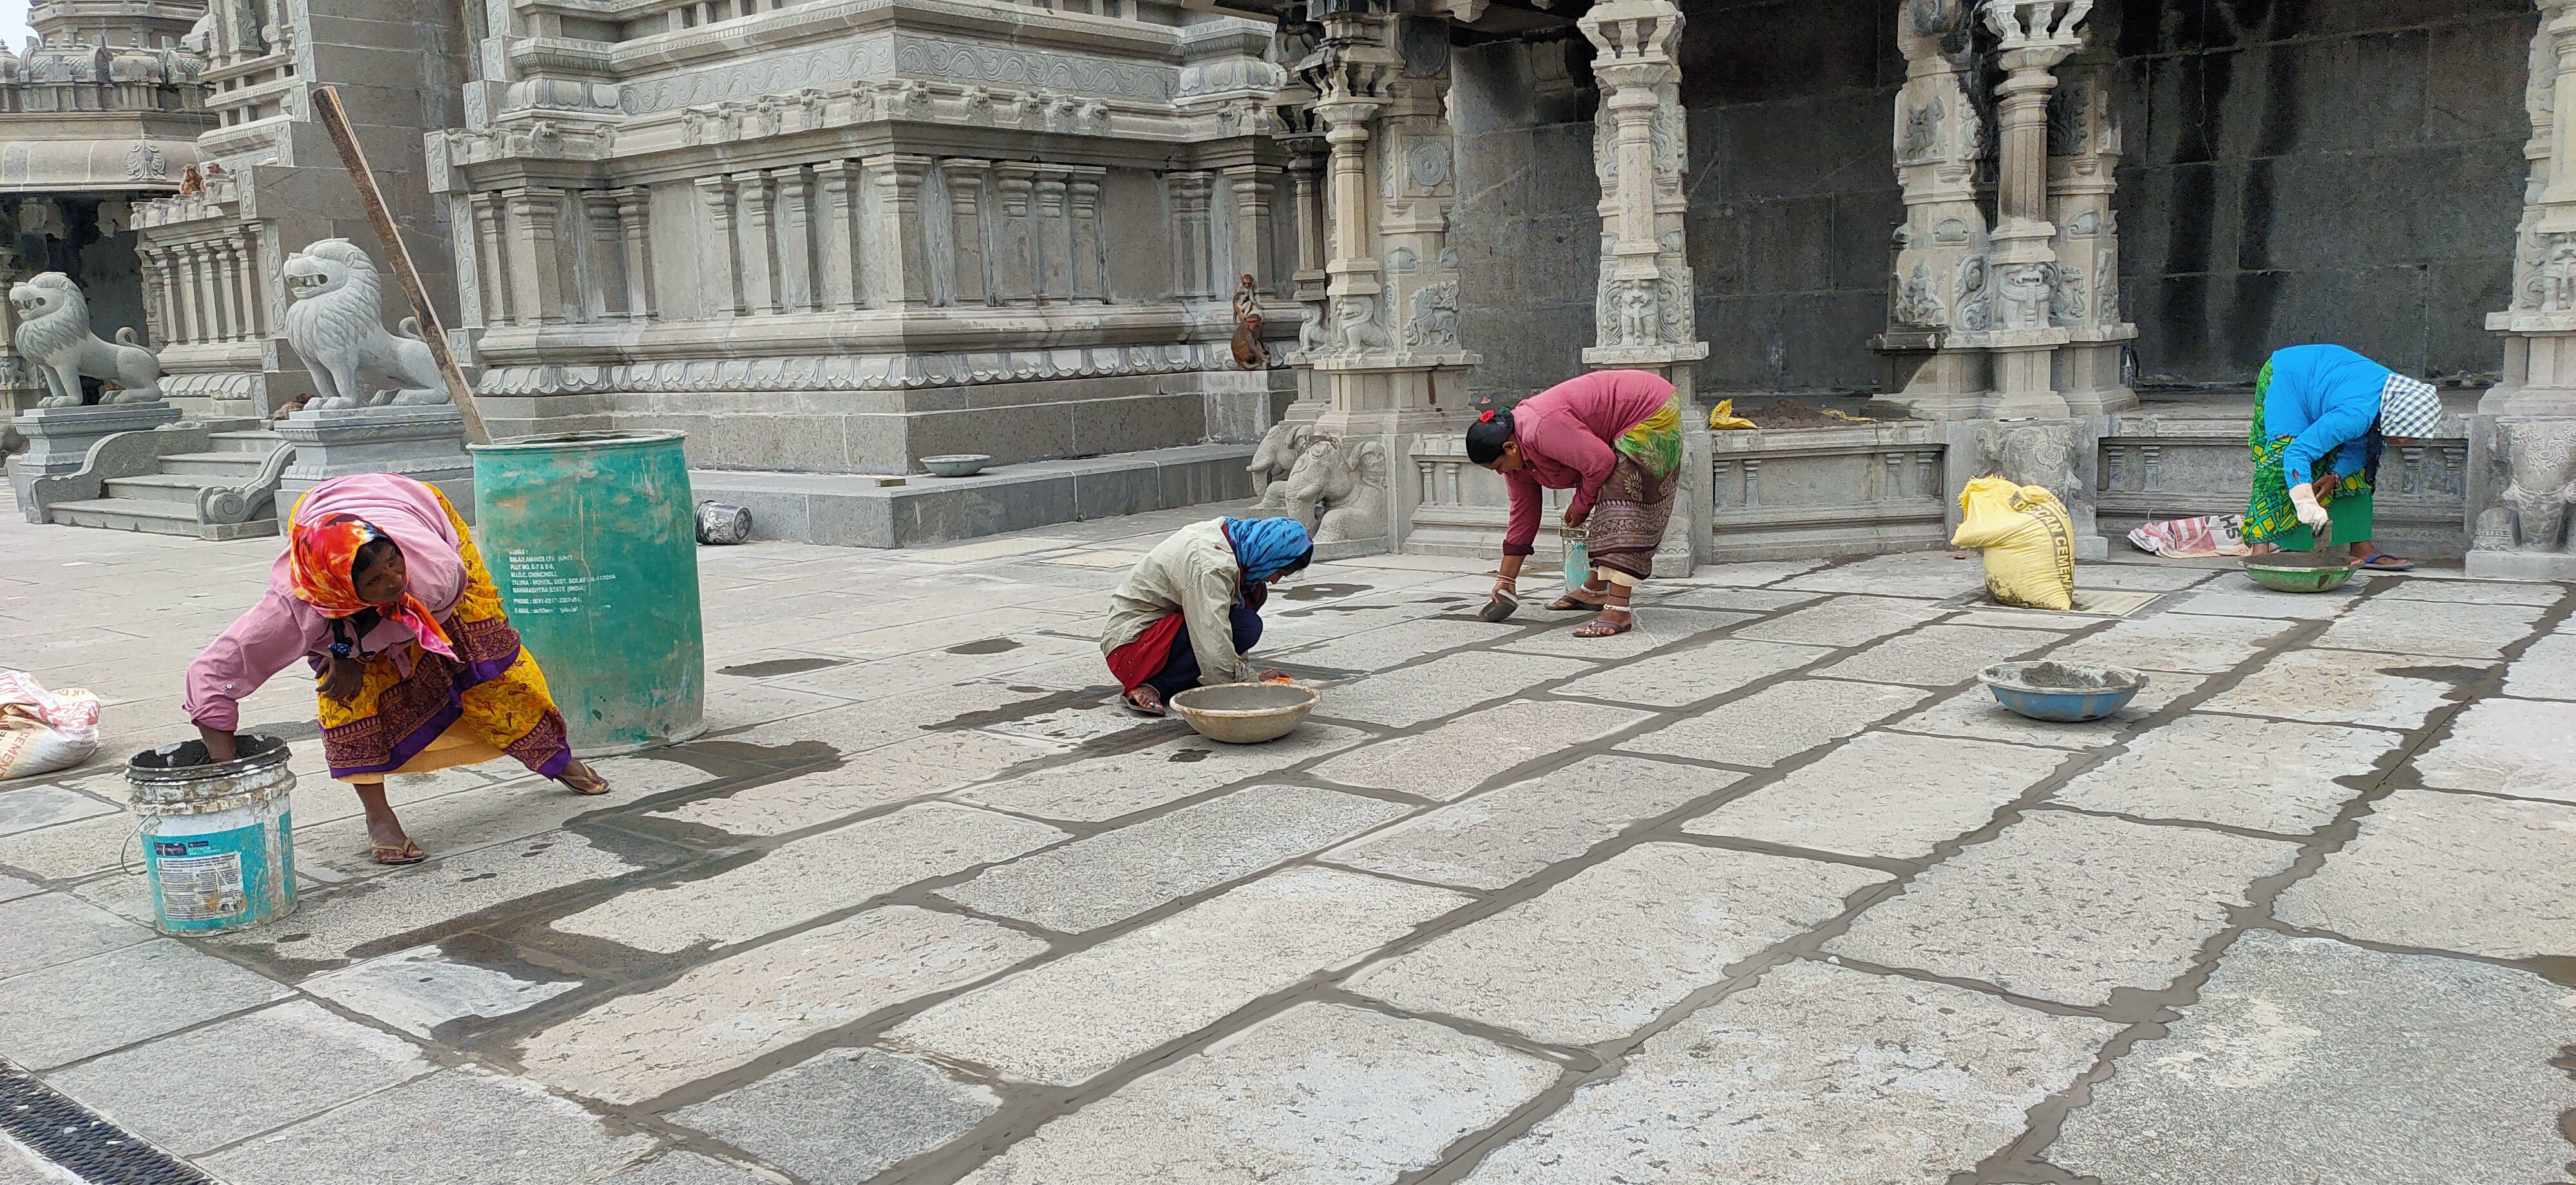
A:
x,y
336,121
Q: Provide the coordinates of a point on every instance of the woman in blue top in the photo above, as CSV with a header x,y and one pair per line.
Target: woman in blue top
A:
x,y
2321,416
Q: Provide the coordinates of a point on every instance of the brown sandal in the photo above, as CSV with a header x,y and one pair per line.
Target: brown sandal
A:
x,y
594,786
396,855
1569,603
1602,627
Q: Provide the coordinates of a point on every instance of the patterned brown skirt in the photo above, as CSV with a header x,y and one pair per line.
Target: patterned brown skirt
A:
x,y
1628,520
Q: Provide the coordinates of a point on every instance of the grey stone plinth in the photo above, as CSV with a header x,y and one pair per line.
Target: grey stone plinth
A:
x,y
58,438
424,443
2523,565
855,510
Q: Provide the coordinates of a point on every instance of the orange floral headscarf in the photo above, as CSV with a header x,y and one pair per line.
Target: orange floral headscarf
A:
x,y
326,551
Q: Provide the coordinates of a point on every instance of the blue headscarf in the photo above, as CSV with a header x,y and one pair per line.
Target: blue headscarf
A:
x,y
1266,545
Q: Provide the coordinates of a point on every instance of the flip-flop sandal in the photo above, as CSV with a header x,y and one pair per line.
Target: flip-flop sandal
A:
x,y
1498,609
1598,628
601,786
1570,603
396,855
1156,711
2400,564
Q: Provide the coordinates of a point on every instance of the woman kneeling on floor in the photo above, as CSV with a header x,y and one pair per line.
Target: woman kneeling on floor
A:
x,y
383,594
1614,437
1191,608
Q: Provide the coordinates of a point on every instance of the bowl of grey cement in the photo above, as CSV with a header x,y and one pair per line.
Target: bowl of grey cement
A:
x,y
1245,713
2063,692
957,464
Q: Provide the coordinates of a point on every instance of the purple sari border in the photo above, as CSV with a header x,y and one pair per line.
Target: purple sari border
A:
x,y
411,745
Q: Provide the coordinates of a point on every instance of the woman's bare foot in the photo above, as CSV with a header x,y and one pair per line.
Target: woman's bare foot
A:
x,y
583,779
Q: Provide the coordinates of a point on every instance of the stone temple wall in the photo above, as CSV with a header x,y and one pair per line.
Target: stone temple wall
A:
x,y
1528,237
2337,172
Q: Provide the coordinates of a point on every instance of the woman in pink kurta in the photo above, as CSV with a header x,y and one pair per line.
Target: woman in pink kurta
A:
x,y
1614,438
382,594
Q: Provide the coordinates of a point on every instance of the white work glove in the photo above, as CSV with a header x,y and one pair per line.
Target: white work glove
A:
x,y
2304,497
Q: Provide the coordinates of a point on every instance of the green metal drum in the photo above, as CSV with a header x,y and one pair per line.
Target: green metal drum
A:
x,y
591,539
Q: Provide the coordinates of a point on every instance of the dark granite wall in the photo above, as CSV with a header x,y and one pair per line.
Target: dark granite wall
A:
x,y
2320,170
2297,170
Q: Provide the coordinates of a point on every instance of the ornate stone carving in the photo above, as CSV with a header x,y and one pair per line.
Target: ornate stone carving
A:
x,y
1356,328
336,325
1281,448
1916,303
1435,316
54,336
1976,303
1921,139
1338,489
2023,295
836,66
2543,460
2065,295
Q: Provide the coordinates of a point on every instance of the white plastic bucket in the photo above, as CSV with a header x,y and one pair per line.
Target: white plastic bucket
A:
x,y
218,840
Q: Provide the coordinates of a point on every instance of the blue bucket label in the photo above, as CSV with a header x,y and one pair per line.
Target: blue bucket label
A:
x,y
213,880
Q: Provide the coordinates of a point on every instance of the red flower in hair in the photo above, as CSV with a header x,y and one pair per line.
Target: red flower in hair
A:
x,y
1486,418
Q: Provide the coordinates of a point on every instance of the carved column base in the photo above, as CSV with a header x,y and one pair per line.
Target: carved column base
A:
x,y
1933,381
1381,394
2522,456
2087,376
424,443
2025,377
59,438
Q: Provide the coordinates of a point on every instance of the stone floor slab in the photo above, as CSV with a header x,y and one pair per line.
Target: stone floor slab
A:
x,y
21,1167
2546,670
1653,628
1689,676
1393,645
1118,874
456,1127
1884,794
1461,755
75,1010
1503,836
804,879
683,1168
1067,1021
12,888
1098,789
1604,953
1842,621
2523,748
59,928
732,1011
2452,629
1933,574
2469,592
2067,907
29,807
2142,577
842,1117
2452,872
2238,596
419,989
1817,1074
1319,1095
1752,574
1779,722
1738,600
449,825
2177,642
202,1089
68,850
422,902
2309,1060
1406,697
2395,691
865,780
2258,774
1974,713
1938,655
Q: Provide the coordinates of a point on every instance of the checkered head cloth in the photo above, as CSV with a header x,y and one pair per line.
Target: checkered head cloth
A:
x,y
2408,408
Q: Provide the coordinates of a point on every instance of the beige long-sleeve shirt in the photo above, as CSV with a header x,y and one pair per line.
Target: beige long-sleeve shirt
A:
x,y
1193,572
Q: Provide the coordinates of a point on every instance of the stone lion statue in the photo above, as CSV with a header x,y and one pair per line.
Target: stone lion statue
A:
x,y
1339,496
337,326
54,337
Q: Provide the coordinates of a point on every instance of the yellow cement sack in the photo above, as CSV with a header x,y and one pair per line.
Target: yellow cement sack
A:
x,y
2027,538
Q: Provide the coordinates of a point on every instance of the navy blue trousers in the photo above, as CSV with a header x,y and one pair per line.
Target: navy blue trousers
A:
x,y
1181,672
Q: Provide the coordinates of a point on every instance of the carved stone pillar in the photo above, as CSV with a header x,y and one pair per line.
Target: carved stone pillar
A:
x,y
1015,266
604,287
1193,273
2034,36
1643,307
212,324
244,248
838,246
1055,234
2522,442
1250,188
759,242
966,232
2084,293
1082,200
534,260
155,319
635,233
719,293
1937,294
491,257
904,275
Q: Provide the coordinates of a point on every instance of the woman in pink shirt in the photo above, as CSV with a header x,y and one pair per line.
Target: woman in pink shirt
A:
x,y
383,595
1614,437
